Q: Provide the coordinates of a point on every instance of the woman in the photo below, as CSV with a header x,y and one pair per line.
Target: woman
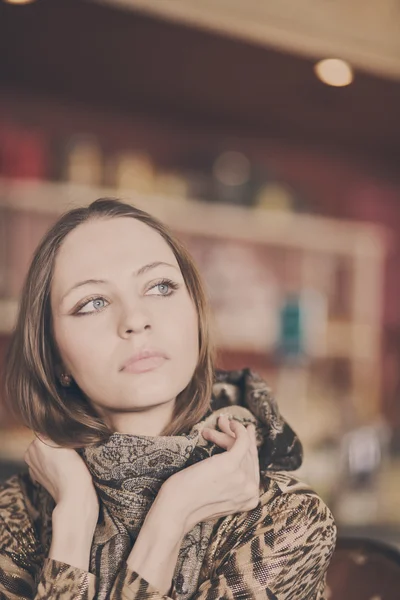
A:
x,y
152,474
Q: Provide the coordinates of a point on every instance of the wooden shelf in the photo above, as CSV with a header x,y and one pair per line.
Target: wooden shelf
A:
x,y
293,230
361,247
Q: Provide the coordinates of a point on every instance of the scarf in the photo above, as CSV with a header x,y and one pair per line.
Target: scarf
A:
x,y
129,470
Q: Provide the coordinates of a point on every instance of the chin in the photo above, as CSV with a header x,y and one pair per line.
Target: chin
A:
x,y
148,391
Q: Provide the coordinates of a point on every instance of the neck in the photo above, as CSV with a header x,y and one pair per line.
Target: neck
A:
x,y
149,421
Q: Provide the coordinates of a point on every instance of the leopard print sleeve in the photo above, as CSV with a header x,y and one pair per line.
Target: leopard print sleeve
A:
x,y
279,551
25,574
284,555
61,581
56,581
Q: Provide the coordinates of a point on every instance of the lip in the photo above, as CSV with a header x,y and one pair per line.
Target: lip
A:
x,y
144,360
145,364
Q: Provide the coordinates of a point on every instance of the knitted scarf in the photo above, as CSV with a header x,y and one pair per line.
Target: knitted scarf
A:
x,y
128,471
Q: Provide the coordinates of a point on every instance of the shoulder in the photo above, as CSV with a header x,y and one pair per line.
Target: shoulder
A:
x,y
11,493
285,501
14,499
288,504
293,508
278,488
18,537
283,546
280,549
289,518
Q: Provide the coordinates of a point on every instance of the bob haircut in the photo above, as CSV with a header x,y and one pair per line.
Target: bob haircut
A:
x,y
33,392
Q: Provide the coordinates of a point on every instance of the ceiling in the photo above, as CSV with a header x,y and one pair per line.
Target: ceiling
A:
x,y
367,33
131,63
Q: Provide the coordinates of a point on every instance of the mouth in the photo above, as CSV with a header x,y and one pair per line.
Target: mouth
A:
x,y
143,365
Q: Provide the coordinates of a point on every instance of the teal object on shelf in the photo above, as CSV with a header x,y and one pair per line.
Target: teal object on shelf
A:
x,y
291,343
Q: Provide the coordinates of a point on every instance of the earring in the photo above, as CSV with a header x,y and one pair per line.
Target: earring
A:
x,y
65,380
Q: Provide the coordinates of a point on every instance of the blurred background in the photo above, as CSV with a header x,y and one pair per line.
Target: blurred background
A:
x,y
267,136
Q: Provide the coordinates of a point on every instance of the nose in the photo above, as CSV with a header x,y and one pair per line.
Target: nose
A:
x,y
133,319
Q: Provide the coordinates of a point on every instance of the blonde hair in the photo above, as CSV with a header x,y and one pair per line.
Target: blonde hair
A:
x,y
33,392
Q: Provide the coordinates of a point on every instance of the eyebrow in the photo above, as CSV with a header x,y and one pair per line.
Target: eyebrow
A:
x,y
136,273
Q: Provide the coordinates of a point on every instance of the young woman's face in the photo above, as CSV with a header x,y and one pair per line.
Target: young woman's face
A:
x,y
100,324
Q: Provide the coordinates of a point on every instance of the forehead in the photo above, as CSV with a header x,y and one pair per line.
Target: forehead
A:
x,y
99,247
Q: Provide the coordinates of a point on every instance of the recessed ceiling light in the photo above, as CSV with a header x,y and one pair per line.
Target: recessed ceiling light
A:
x,y
19,1
334,71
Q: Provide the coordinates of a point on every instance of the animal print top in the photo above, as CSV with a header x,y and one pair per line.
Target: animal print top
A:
x,y
278,551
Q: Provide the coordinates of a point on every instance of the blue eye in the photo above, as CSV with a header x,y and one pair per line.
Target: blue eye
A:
x,y
96,303
166,288
165,283
162,285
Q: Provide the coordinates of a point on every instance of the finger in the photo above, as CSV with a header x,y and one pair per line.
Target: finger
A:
x,y
253,441
218,437
253,436
254,452
224,424
242,441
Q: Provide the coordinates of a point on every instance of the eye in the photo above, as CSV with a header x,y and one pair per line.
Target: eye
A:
x,y
163,286
98,303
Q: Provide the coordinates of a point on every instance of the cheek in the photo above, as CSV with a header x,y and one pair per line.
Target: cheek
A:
x,y
79,347
184,330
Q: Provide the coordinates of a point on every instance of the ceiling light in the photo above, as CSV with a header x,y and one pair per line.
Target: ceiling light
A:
x,y
334,71
19,1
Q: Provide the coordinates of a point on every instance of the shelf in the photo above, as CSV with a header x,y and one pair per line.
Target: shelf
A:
x,y
361,247
290,230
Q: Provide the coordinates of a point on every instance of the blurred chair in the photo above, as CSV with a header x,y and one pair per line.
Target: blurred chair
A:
x,y
363,569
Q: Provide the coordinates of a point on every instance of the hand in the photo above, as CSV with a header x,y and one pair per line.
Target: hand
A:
x,y
221,485
61,471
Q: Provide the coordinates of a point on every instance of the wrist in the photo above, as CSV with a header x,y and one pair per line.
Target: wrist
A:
x,y
73,527
85,496
76,512
169,509
156,548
